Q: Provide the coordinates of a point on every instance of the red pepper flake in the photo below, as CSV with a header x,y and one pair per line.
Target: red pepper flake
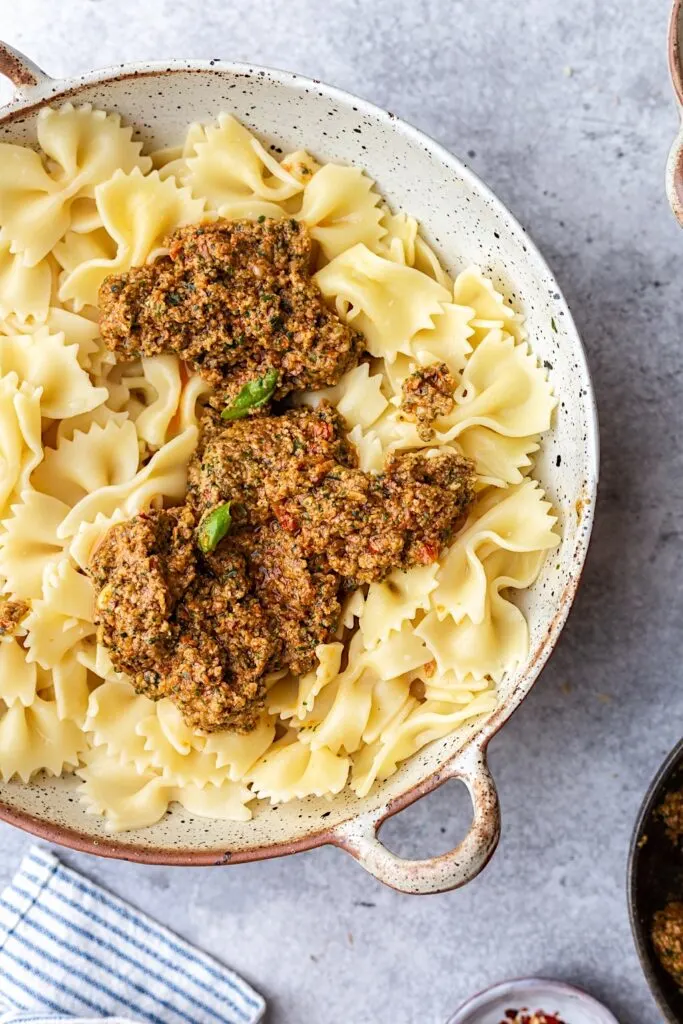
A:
x,y
323,430
429,552
286,520
524,1017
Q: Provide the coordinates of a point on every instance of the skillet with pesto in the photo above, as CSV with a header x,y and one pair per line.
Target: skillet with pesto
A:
x,y
200,603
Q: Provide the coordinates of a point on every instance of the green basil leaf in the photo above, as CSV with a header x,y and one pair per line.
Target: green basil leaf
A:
x,y
213,527
252,396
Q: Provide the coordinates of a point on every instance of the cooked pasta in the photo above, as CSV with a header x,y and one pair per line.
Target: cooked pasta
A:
x,y
86,443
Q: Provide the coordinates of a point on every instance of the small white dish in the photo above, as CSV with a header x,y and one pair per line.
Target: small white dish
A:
x,y
570,1004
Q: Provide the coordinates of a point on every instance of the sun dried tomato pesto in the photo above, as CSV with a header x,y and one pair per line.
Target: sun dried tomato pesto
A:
x,y
11,615
428,393
205,628
524,1016
667,939
671,813
235,300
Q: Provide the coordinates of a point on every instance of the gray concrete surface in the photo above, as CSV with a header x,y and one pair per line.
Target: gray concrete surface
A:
x,y
566,111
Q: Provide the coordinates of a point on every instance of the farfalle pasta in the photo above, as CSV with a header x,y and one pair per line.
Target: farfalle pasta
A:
x,y
39,191
86,443
24,291
48,362
341,209
137,212
21,446
389,302
229,165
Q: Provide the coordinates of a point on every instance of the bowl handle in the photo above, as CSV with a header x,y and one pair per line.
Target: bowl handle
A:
x,y
437,874
674,178
21,71
674,167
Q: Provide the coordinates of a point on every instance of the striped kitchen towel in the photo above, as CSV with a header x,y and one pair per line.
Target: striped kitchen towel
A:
x,y
68,947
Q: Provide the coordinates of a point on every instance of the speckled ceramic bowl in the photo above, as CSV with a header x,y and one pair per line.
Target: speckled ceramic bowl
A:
x,y
674,169
466,224
533,994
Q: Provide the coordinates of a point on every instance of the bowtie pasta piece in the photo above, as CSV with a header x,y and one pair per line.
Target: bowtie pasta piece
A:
x,y
352,606
408,733
401,652
520,520
21,446
499,640
295,698
88,535
363,707
498,461
490,310
126,797
358,396
115,711
340,209
18,678
230,165
192,767
164,476
239,752
95,658
70,688
396,433
75,249
228,801
251,209
342,726
39,196
47,361
173,160
301,165
67,429
160,383
502,388
29,543
24,291
293,770
138,213
104,456
130,799
403,244
194,389
78,330
428,262
62,617
35,738
387,301
451,689
398,237
369,448
394,601
446,339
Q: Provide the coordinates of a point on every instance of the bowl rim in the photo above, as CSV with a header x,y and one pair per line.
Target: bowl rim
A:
x,y
48,90
478,1002
675,55
671,762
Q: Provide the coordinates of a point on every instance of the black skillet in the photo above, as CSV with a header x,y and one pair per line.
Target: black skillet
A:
x,y
655,876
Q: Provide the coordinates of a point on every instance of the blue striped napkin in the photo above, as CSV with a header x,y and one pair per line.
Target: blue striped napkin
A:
x,y
68,947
